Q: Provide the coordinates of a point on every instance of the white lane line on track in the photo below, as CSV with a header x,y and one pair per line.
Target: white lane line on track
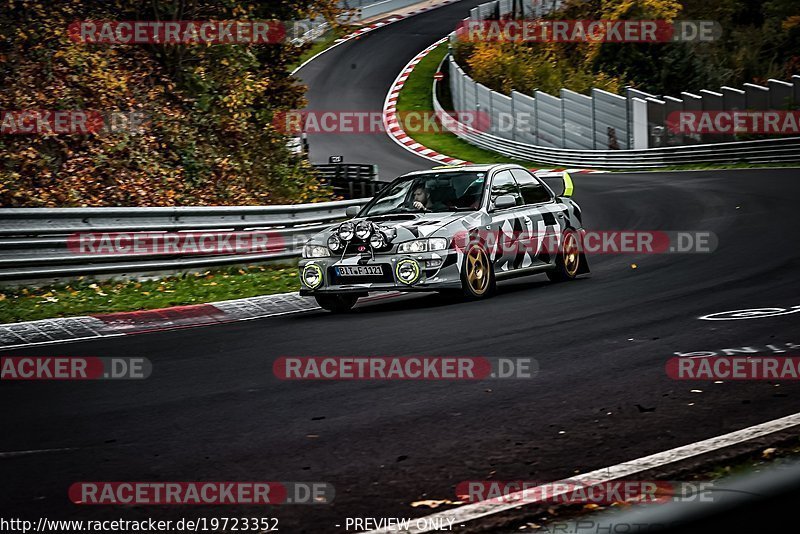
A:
x,y
477,510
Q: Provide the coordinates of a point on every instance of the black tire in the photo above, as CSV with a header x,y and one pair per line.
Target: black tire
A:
x,y
477,282
568,259
336,303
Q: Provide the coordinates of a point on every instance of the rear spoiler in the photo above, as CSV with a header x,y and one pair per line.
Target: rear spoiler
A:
x,y
550,177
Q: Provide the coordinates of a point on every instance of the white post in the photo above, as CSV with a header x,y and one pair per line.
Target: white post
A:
x,y
640,137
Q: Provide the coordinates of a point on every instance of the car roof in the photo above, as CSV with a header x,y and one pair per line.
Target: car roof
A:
x,y
461,168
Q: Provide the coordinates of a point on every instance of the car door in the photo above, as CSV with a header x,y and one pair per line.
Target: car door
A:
x,y
506,224
542,221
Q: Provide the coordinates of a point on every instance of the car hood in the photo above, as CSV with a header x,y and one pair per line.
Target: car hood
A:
x,y
408,226
419,225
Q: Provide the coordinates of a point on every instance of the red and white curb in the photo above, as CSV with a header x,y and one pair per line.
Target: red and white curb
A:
x,y
63,330
399,136
390,122
571,171
374,26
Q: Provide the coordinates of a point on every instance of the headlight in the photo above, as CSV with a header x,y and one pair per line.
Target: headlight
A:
x,y
312,276
363,230
407,271
346,231
315,251
422,245
334,243
437,243
377,240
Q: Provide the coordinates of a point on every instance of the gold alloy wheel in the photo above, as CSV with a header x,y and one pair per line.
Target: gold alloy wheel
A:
x,y
477,270
572,257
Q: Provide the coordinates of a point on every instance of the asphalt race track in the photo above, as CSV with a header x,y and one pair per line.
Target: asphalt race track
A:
x,y
212,409
356,76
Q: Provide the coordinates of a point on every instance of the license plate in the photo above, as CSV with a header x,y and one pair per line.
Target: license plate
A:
x,y
360,270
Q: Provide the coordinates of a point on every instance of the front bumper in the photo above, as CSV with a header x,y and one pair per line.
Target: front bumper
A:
x,y
437,270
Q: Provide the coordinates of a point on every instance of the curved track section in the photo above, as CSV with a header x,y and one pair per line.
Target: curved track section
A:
x,y
357,75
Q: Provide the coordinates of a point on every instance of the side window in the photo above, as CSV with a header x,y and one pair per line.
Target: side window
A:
x,y
504,184
533,192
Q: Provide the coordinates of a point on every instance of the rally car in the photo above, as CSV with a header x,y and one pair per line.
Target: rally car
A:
x,y
458,229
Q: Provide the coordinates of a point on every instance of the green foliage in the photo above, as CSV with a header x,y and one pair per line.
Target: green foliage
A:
x,y
511,66
417,95
209,137
82,297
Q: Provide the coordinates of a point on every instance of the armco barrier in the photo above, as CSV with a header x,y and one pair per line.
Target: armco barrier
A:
x,y
34,241
350,180
764,151
604,130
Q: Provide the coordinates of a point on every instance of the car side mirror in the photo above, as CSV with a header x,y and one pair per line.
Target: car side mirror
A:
x,y
504,201
352,211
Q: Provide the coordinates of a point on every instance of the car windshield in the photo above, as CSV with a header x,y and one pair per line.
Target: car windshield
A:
x,y
430,192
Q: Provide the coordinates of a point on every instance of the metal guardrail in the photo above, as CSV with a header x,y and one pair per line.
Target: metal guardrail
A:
x,y
365,9
350,180
783,150
35,242
569,130
315,31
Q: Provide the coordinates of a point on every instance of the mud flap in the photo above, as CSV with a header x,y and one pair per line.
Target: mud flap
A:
x,y
583,268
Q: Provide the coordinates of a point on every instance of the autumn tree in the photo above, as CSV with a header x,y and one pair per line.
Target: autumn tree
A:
x,y
760,40
208,138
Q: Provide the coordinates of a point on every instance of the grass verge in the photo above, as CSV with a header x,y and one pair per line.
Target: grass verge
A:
x,y
83,297
713,166
417,95
326,41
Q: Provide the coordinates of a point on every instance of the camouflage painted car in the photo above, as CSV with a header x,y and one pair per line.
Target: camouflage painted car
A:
x,y
447,229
